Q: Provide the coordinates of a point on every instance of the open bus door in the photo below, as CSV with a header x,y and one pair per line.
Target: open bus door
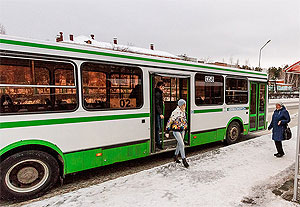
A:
x,y
176,87
257,116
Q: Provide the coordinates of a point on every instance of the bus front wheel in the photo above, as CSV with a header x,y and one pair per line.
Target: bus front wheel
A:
x,y
233,133
27,175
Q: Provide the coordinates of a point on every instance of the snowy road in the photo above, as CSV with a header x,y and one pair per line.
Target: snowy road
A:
x,y
222,177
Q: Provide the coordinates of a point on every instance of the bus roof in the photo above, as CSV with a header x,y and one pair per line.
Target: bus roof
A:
x,y
10,43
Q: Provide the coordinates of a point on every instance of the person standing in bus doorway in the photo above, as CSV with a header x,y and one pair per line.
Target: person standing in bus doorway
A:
x,y
280,119
178,124
159,90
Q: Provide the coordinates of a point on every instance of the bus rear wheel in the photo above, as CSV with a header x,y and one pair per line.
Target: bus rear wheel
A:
x,y
26,175
233,133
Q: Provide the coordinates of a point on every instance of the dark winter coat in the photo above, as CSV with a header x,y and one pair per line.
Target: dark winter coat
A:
x,y
279,115
158,101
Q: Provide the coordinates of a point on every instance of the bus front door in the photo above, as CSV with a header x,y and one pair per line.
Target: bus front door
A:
x,y
176,87
257,117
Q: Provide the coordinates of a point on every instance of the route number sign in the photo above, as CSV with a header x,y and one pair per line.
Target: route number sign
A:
x,y
209,79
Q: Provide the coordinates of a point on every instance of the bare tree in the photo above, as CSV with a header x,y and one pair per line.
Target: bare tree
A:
x,y
247,62
2,29
130,44
231,60
237,63
207,60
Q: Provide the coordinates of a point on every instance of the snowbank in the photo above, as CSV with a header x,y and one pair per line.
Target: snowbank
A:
x,y
222,177
125,48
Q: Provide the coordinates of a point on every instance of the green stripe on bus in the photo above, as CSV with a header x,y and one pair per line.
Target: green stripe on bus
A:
x,y
52,47
207,111
5,125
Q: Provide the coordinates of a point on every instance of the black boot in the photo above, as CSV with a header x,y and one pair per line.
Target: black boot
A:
x,y
185,163
176,159
279,155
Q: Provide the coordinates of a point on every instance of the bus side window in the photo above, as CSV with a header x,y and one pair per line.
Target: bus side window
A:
x,y
31,85
107,86
209,89
236,91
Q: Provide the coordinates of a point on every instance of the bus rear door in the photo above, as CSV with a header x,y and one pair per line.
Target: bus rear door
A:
x,y
257,117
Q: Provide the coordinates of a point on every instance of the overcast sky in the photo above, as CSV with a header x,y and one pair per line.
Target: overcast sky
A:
x,y
218,30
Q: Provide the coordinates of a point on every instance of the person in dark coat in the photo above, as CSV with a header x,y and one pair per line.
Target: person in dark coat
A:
x,y
158,112
280,119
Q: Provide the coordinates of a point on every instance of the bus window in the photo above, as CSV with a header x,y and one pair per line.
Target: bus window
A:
x,y
209,89
108,86
23,72
34,86
262,101
64,77
236,91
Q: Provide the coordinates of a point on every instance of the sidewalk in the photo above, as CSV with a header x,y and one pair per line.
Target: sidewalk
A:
x,y
222,177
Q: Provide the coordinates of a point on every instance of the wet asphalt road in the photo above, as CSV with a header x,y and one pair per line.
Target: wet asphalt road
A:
x,y
98,175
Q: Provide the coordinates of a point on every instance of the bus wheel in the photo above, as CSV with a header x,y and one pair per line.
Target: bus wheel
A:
x,y
27,175
233,133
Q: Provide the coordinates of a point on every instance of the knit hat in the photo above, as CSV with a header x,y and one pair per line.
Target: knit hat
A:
x,y
279,103
181,102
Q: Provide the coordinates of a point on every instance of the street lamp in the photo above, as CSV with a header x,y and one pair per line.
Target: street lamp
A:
x,y
260,52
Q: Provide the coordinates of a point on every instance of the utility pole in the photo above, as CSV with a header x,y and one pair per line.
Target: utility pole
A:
x,y
260,52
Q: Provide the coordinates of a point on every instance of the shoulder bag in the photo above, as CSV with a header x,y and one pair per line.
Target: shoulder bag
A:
x,y
287,133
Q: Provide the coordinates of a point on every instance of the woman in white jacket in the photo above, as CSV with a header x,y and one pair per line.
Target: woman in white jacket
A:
x,y
178,124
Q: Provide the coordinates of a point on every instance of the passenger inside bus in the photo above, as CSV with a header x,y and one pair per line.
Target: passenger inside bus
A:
x,y
159,113
6,103
136,94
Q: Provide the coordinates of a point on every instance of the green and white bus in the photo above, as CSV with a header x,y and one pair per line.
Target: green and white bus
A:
x,y
69,107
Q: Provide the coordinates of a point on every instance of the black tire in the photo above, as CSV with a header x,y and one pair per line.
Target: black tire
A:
x,y
233,133
26,175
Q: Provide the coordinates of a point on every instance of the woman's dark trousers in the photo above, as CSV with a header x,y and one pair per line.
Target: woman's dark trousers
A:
x,y
278,145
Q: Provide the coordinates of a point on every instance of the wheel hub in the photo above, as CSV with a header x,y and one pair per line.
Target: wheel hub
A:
x,y
27,175
234,133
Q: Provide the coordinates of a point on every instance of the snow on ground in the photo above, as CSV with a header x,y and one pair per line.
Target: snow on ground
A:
x,y
294,116
125,48
262,194
222,177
